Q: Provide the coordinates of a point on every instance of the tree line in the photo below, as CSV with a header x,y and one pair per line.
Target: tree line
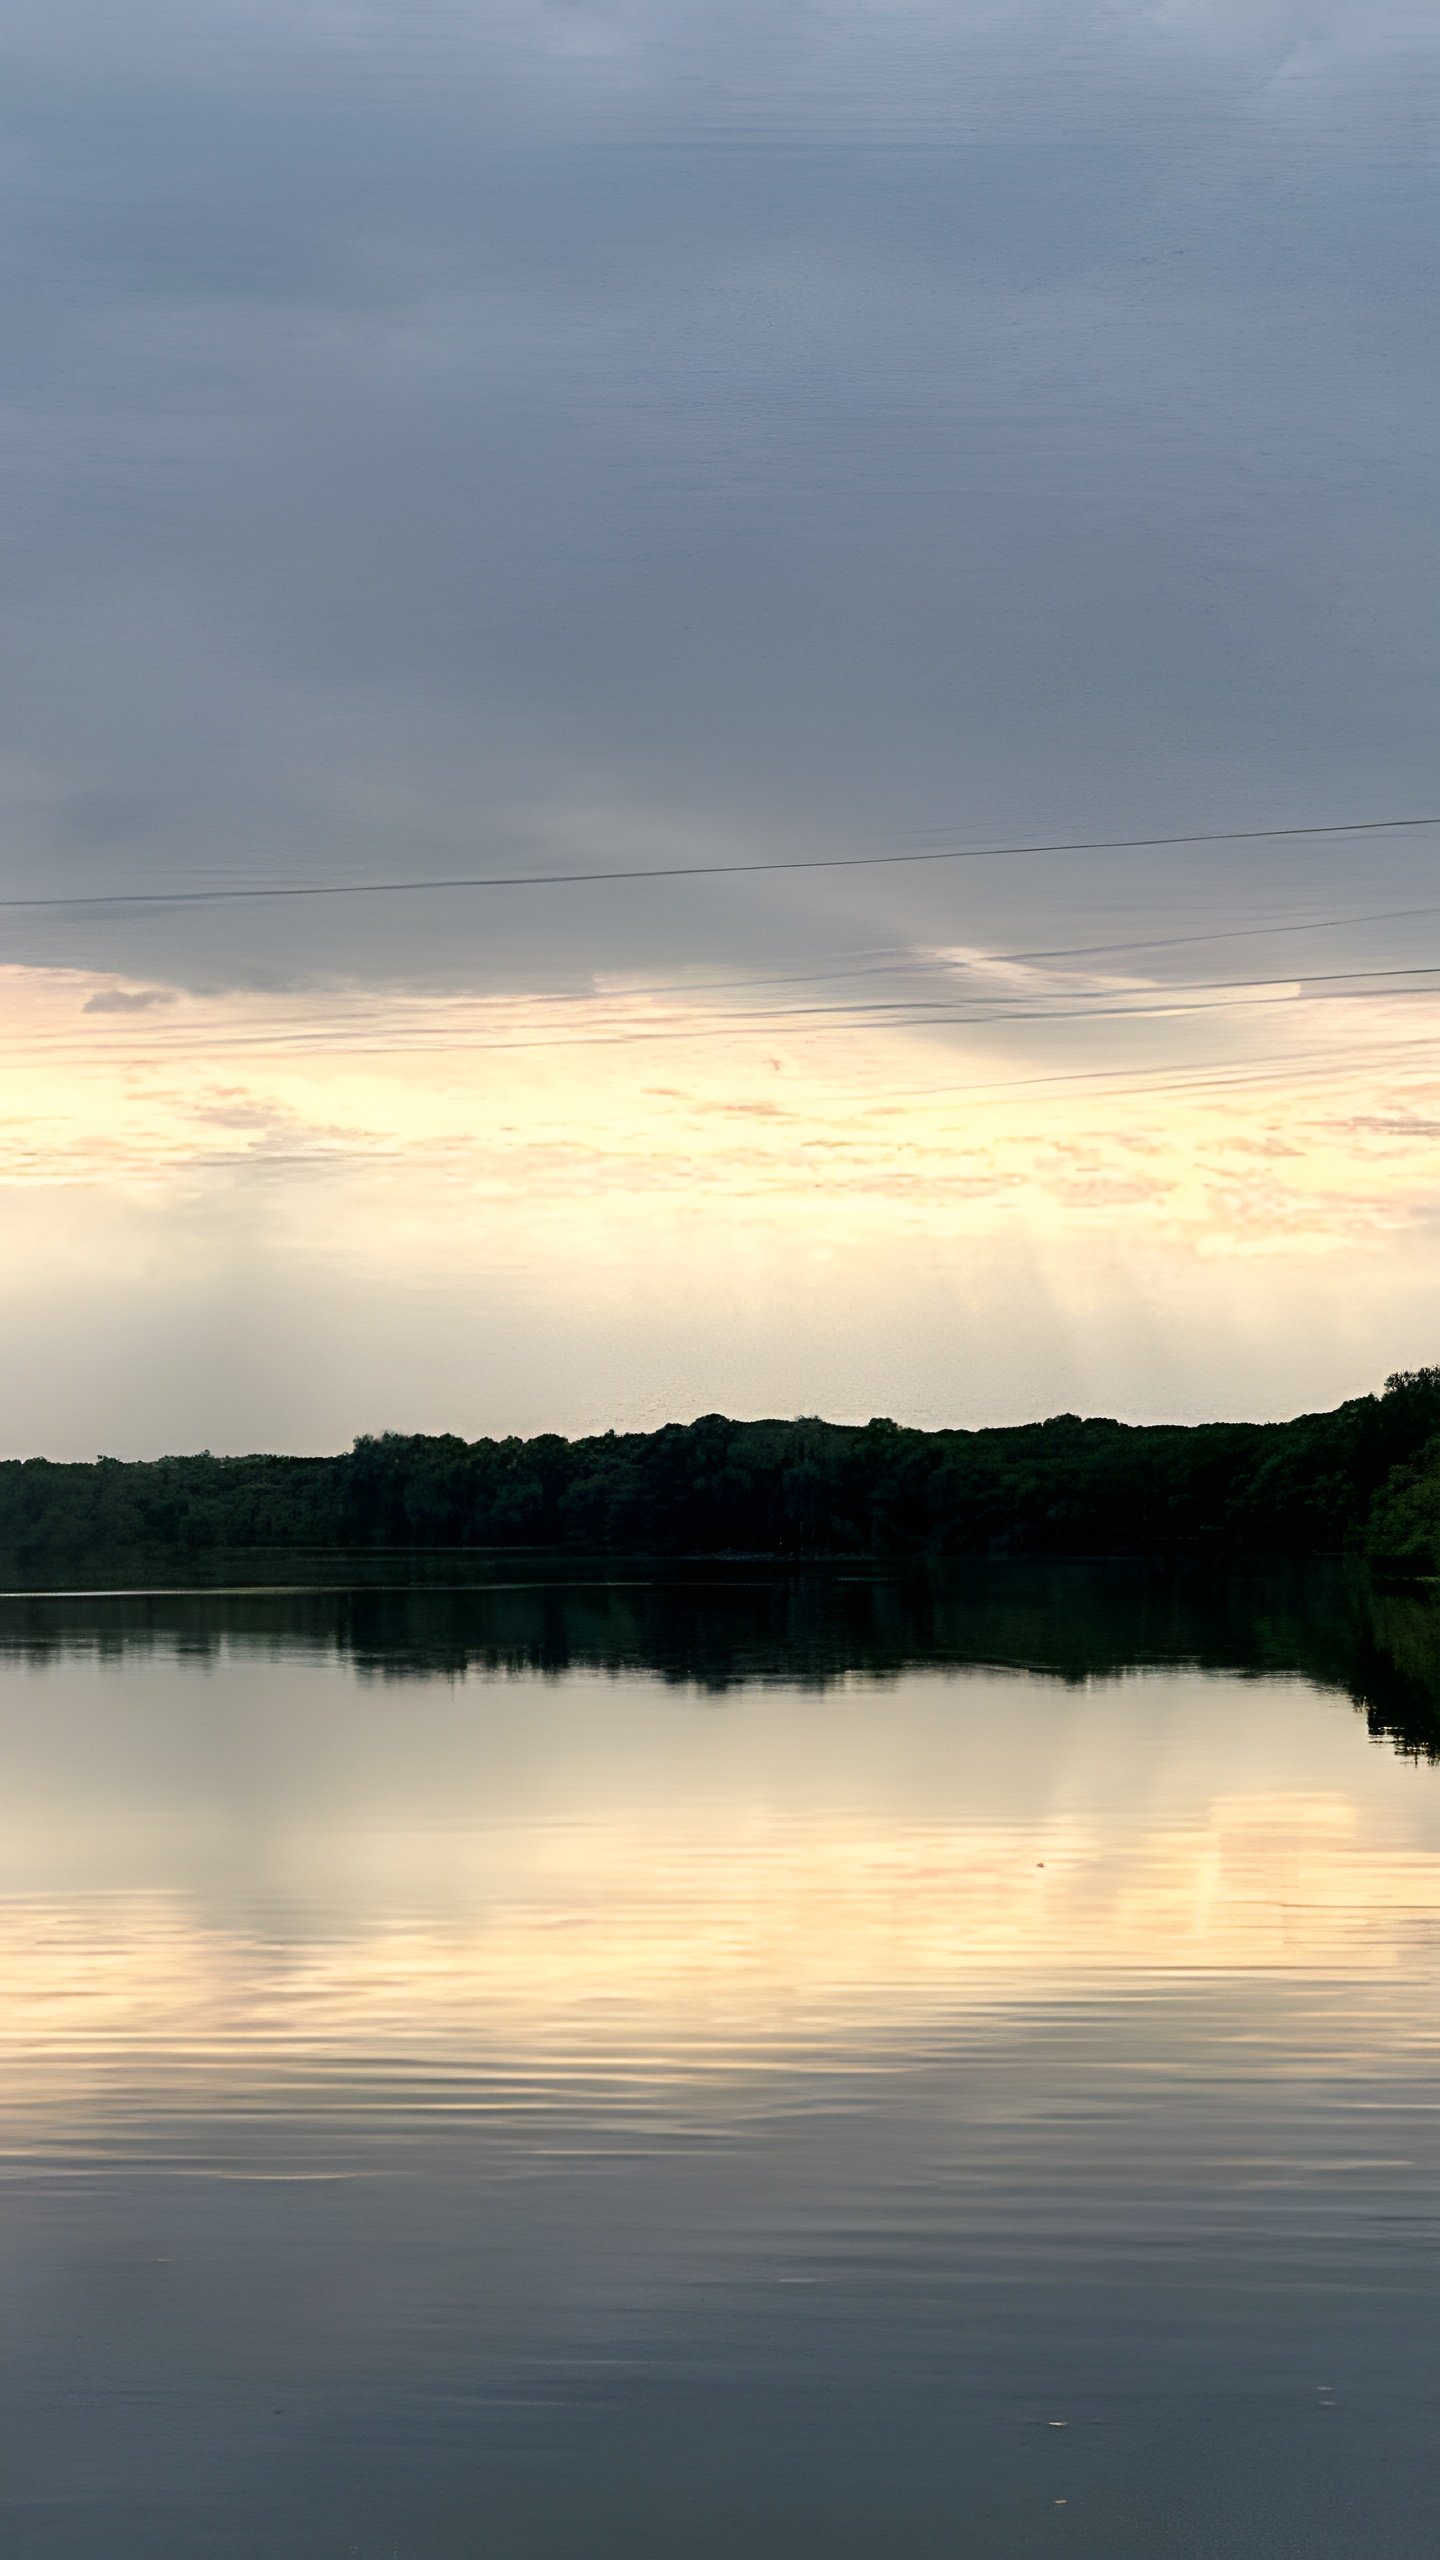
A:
x,y
1364,1478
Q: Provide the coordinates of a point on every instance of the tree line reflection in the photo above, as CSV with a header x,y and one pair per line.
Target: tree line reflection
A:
x,y
717,1628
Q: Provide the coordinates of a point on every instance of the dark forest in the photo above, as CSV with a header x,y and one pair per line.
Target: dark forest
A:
x,y
1363,1479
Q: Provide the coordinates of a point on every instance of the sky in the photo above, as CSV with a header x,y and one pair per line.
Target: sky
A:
x,y
527,440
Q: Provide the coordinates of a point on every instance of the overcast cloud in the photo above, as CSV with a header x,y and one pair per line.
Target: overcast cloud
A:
x,y
459,438
442,437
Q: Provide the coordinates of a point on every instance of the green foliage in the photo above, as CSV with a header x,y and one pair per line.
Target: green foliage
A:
x,y
1404,1524
1364,1476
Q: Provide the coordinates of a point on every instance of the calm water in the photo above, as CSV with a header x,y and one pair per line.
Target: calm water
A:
x,y
578,2070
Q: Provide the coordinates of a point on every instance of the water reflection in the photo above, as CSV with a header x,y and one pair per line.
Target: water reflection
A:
x,y
412,1616
734,2069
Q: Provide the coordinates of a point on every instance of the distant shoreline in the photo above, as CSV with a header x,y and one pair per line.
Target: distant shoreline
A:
x,y
1363,1479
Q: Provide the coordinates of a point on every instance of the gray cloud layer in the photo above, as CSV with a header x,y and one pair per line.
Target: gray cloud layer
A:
x,y
518,434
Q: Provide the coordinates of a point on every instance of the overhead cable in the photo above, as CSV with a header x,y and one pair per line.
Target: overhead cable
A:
x,y
250,894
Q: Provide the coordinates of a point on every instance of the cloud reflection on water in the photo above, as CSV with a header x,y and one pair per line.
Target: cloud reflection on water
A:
x,y
604,1882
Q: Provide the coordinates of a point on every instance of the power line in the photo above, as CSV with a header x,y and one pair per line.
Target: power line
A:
x,y
887,960
1100,1006
792,1027
878,960
311,889
1284,1067
1227,933
883,960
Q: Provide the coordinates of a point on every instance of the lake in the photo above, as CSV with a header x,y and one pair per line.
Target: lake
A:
x,y
542,2062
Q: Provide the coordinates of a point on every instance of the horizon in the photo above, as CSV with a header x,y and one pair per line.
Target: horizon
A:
x,y
800,510
757,1421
